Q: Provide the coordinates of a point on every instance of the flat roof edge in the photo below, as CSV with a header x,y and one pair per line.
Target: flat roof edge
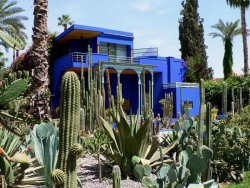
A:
x,y
94,29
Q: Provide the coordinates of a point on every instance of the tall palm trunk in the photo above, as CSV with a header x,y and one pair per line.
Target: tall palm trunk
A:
x,y
244,36
40,100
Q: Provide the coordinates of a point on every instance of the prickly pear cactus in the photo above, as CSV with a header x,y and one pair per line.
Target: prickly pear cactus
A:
x,y
6,170
69,129
11,88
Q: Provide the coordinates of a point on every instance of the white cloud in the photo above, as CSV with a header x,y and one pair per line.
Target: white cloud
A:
x,y
142,6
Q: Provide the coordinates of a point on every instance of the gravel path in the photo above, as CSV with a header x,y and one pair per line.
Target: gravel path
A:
x,y
88,175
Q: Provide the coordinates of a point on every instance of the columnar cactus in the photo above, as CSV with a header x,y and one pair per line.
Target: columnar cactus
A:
x,y
201,115
93,97
241,101
69,129
116,173
224,98
182,105
208,137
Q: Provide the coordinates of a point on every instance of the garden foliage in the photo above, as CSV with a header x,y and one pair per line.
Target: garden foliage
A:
x,y
213,90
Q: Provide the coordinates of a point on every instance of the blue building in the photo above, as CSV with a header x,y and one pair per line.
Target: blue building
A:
x,y
116,52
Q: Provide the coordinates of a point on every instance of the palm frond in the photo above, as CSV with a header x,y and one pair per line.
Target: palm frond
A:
x,y
227,31
13,11
214,35
2,3
238,3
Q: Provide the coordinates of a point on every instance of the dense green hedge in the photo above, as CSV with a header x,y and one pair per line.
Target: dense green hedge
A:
x,y
213,90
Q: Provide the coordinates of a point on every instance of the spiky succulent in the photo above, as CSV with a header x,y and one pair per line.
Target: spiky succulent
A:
x,y
57,176
76,150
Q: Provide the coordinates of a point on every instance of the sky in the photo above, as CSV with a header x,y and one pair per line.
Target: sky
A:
x,y
153,22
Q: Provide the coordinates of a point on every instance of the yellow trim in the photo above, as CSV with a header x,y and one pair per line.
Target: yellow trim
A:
x,y
98,49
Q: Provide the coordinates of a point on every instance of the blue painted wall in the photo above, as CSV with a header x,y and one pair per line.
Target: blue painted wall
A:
x,y
176,71
158,93
58,71
192,94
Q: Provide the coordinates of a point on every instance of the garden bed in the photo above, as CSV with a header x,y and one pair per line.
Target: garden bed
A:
x,y
88,175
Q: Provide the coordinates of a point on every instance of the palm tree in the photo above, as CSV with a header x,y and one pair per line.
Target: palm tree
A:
x,y
243,4
40,99
9,19
11,24
64,21
227,32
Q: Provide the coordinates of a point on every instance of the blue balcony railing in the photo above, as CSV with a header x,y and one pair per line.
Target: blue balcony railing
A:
x,y
79,56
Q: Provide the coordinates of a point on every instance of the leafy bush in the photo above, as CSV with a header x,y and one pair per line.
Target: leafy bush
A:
x,y
213,90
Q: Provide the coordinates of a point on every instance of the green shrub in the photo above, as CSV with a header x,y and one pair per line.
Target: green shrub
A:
x,y
213,90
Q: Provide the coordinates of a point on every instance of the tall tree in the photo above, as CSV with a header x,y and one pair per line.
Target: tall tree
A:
x,y
227,32
243,4
65,21
191,36
40,100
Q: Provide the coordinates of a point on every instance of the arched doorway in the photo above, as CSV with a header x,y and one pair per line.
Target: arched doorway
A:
x,y
130,90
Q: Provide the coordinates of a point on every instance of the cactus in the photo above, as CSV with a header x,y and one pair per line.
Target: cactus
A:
x,y
201,115
146,182
138,171
69,128
147,170
196,164
93,98
240,100
3,182
224,98
13,168
233,102
58,177
116,173
82,119
136,160
76,150
6,170
167,109
12,88
108,87
208,139
182,105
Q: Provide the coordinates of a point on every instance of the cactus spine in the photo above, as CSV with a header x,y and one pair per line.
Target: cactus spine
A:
x,y
224,98
69,128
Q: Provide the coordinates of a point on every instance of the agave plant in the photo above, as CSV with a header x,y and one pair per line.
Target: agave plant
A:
x,y
45,144
19,167
9,142
131,139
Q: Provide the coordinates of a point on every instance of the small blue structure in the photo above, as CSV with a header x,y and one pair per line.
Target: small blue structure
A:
x,y
117,54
